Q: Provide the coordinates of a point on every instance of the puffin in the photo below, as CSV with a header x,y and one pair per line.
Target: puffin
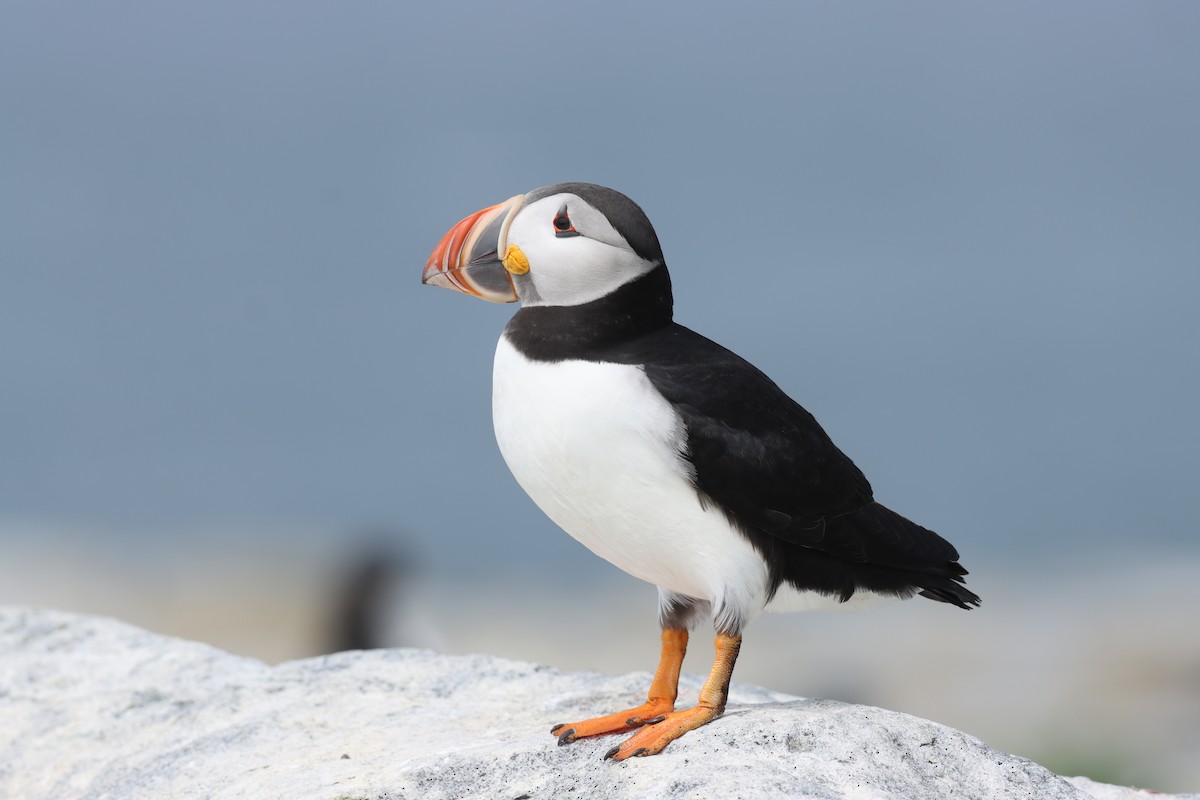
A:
x,y
666,454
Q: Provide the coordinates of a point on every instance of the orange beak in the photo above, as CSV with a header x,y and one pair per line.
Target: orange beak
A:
x,y
468,258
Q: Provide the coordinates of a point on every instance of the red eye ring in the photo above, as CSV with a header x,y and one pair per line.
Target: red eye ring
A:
x,y
563,227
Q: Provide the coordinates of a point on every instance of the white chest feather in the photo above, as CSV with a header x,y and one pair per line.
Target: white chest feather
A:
x,y
598,449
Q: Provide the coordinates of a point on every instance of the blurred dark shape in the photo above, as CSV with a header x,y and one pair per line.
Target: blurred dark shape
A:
x,y
366,596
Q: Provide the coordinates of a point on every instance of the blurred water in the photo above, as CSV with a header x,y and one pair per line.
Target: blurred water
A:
x,y
963,238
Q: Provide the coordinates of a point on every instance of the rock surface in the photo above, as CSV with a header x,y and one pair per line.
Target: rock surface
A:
x,y
93,708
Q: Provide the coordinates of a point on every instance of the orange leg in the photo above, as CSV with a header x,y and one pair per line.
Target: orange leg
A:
x,y
661,700
658,733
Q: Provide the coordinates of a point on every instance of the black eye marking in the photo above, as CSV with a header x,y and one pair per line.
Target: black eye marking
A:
x,y
562,224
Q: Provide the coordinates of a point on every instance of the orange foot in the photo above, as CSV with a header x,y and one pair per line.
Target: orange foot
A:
x,y
661,700
658,733
621,721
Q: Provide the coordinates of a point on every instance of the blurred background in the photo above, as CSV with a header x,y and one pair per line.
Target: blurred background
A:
x,y
965,237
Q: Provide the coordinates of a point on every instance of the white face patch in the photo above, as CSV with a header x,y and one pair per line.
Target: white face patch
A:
x,y
571,270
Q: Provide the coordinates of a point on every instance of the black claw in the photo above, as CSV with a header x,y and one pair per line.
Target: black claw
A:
x,y
656,720
556,727
612,752
641,751
634,722
567,737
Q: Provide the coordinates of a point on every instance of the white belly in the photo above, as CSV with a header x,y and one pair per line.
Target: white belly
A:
x,y
597,448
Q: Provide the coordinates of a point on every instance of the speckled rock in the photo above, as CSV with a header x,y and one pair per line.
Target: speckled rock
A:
x,y
92,708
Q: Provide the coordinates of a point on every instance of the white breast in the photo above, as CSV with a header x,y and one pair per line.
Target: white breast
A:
x,y
598,449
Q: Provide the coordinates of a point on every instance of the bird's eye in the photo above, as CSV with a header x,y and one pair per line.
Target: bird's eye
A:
x,y
562,224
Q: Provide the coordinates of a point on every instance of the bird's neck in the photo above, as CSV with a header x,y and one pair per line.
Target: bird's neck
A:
x,y
556,333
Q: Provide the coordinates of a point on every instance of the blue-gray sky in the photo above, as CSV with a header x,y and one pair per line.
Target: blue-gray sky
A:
x,y
965,237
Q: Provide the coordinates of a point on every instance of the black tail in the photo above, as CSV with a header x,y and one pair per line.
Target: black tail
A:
x,y
872,549
952,593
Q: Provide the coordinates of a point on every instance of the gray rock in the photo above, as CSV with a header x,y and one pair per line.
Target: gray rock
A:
x,y
92,708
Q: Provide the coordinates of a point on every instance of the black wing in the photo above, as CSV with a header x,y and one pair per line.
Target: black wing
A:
x,y
767,463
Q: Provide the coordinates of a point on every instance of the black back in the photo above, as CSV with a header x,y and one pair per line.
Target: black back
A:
x,y
758,455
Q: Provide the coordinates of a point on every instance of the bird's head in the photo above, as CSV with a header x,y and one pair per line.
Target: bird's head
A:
x,y
560,245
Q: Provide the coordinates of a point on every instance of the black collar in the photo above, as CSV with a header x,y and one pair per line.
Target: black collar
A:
x,y
557,333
